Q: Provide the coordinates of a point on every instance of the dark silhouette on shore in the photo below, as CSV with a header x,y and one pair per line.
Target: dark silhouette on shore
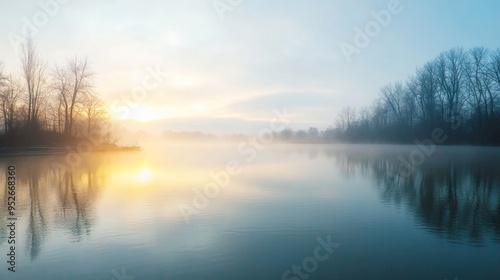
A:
x,y
53,106
457,92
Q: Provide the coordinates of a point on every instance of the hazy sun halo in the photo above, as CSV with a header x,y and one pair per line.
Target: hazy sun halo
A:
x,y
144,175
138,112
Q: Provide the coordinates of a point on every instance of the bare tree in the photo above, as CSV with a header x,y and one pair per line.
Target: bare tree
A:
x,y
96,117
9,96
451,76
61,87
424,89
346,118
392,97
494,73
81,85
313,132
33,70
2,76
479,87
72,84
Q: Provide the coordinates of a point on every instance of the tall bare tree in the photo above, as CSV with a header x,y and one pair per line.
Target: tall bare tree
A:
x,y
424,88
494,73
81,85
95,116
479,86
34,76
72,84
9,96
451,76
61,87
346,118
394,98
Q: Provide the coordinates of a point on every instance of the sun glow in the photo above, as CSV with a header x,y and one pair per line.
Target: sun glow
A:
x,y
144,175
138,112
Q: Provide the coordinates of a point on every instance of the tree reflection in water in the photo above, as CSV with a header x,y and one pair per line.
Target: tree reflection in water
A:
x,y
50,197
455,193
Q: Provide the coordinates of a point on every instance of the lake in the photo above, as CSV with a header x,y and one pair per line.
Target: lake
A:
x,y
218,211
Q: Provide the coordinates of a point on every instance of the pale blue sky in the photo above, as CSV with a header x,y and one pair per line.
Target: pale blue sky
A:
x,y
229,75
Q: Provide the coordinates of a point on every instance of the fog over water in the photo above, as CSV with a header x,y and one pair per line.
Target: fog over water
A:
x,y
151,213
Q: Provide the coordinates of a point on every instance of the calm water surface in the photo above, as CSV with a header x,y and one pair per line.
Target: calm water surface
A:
x,y
144,214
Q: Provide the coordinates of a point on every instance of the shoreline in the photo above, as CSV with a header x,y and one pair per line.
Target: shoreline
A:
x,y
41,150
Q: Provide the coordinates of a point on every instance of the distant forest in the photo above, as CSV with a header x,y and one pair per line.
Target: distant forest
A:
x,y
50,104
458,93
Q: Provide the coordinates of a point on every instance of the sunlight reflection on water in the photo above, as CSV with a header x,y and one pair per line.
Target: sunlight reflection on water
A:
x,y
122,210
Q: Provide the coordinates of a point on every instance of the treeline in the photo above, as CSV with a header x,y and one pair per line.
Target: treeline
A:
x,y
46,104
458,92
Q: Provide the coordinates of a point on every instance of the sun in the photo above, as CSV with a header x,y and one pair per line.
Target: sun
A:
x,y
144,175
